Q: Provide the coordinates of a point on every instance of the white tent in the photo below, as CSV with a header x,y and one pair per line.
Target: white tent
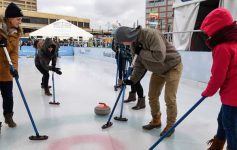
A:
x,y
62,28
188,14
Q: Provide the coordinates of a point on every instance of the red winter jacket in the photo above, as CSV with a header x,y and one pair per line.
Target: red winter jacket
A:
x,y
224,67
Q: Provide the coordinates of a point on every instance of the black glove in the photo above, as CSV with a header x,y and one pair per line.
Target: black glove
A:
x,y
128,82
14,73
53,64
3,42
57,70
137,47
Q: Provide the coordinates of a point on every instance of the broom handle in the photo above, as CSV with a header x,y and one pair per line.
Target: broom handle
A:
x,y
177,123
7,55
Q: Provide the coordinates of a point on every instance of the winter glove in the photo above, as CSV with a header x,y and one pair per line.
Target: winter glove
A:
x,y
14,73
54,66
57,70
137,47
128,82
3,42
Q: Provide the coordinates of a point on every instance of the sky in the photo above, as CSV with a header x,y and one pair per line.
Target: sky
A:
x,y
103,14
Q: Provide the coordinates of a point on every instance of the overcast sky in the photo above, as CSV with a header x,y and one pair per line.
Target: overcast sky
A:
x,y
102,13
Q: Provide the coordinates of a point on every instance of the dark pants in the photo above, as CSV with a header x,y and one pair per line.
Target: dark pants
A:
x,y
227,126
121,62
45,78
7,96
138,87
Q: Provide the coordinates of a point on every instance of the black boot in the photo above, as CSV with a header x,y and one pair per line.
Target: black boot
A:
x,y
131,97
47,92
140,104
9,120
42,86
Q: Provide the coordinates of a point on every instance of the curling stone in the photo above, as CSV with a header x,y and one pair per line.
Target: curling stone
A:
x,y
102,109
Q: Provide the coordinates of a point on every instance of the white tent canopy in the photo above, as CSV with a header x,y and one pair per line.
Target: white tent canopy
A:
x,y
62,28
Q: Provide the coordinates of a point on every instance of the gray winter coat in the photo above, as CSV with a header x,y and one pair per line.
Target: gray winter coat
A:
x,y
43,56
157,55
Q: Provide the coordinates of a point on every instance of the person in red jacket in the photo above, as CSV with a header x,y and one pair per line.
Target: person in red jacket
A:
x,y
222,33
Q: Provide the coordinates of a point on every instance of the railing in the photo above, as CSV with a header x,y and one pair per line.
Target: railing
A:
x,y
187,36
169,35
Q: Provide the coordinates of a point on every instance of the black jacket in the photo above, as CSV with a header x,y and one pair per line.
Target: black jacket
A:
x,y
43,56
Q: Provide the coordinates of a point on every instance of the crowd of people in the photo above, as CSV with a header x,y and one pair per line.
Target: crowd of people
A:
x,y
96,42
155,54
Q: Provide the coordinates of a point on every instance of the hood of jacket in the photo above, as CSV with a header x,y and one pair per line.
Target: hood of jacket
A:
x,y
216,20
126,34
49,43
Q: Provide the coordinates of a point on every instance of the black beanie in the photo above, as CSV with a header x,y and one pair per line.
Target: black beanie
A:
x,y
13,11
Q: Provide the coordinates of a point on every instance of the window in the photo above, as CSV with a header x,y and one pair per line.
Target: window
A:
x,y
161,15
26,19
170,20
74,22
161,9
169,15
35,20
52,20
80,24
170,2
86,25
169,8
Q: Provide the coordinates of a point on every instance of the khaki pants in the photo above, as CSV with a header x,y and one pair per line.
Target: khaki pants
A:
x,y
171,81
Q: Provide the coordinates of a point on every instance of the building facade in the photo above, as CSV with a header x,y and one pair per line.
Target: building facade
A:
x,y
159,14
30,5
34,20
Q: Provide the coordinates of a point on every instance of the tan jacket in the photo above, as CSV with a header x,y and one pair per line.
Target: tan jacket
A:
x,y
157,55
12,47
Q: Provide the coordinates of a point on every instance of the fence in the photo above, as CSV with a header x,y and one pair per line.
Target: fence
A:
x,y
193,40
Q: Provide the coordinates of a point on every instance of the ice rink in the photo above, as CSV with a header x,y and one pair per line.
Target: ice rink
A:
x,y
73,124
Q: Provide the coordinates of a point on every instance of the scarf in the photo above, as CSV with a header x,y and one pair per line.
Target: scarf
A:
x,y
226,34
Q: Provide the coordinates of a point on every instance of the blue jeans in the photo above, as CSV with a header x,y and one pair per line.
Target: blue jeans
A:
x,y
227,126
